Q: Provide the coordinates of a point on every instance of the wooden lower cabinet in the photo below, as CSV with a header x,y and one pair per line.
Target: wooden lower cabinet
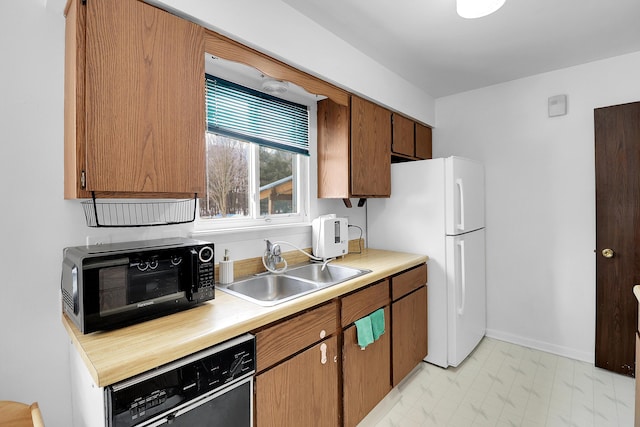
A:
x,y
409,331
366,374
311,370
301,391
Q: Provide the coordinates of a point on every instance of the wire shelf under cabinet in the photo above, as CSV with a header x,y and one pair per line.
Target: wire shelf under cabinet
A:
x,y
138,213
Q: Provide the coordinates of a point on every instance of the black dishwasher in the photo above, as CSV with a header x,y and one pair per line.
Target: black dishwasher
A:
x,y
213,387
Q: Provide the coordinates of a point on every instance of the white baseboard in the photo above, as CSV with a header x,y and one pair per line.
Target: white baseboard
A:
x,y
381,409
571,353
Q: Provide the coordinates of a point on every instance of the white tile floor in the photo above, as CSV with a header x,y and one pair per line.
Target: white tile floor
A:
x,y
506,385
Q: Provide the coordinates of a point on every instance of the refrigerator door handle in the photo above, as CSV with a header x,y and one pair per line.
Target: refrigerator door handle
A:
x,y
460,226
463,280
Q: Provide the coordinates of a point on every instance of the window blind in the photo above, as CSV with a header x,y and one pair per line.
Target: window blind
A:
x,y
243,113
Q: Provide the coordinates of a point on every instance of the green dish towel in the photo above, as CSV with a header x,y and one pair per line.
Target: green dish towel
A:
x,y
364,331
377,323
370,328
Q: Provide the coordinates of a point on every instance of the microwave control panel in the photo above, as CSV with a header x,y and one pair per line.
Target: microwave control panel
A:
x,y
204,282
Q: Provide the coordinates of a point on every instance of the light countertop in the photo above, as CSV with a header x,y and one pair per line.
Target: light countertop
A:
x,y
113,356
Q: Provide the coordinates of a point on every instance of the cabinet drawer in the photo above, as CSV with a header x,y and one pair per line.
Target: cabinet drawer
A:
x,y
280,341
363,302
406,282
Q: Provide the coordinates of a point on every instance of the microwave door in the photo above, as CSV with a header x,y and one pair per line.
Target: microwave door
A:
x,y
149,284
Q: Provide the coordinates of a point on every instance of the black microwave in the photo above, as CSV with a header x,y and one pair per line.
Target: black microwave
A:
x,y
114,285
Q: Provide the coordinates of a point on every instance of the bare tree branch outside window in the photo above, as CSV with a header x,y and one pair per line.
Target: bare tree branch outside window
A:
x,y
229,189
227,178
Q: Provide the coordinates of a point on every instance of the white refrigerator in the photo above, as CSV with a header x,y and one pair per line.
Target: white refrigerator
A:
x,y
436,208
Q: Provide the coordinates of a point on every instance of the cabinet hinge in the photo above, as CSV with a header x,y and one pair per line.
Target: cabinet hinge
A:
x,y
83,180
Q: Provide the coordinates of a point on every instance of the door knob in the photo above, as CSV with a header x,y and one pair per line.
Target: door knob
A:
x,y
607,253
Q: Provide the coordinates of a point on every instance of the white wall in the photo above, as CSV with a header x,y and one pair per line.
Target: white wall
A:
x,y
36,223
540,196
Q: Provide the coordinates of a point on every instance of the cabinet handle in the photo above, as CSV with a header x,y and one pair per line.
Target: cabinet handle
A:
x,y
323,353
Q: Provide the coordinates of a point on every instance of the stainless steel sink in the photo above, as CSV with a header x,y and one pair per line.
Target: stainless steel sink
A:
x,y
330,273
271,289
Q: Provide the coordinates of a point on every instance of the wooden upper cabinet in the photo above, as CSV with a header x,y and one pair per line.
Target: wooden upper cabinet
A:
x,y
134,101
333,150
353,150
411,140
423,141
403,136
370,149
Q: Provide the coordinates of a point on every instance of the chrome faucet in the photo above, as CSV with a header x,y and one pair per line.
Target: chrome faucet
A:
x,y
273,255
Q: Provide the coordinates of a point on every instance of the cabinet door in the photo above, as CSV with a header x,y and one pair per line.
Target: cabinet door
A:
x,y
409,331
144,100
302,391
333,150
366,374
403,136
370,149
423,141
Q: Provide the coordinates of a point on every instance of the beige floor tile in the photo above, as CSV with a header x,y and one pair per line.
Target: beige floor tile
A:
x,y
506,385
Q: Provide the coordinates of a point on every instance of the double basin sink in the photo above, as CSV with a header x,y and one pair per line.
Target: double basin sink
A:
x,y
268,289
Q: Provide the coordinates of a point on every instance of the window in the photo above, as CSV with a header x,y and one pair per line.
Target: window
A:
x,y
257,157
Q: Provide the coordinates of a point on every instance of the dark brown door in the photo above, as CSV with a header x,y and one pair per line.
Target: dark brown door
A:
x,y
617,162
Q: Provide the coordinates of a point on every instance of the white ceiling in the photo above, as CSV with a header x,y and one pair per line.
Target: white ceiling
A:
x,y
425,42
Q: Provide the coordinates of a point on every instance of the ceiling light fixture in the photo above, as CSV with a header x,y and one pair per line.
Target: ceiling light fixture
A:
x,y
477,8
274,87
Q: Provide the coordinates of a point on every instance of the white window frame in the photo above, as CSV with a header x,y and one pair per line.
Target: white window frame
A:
x,y
303,194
